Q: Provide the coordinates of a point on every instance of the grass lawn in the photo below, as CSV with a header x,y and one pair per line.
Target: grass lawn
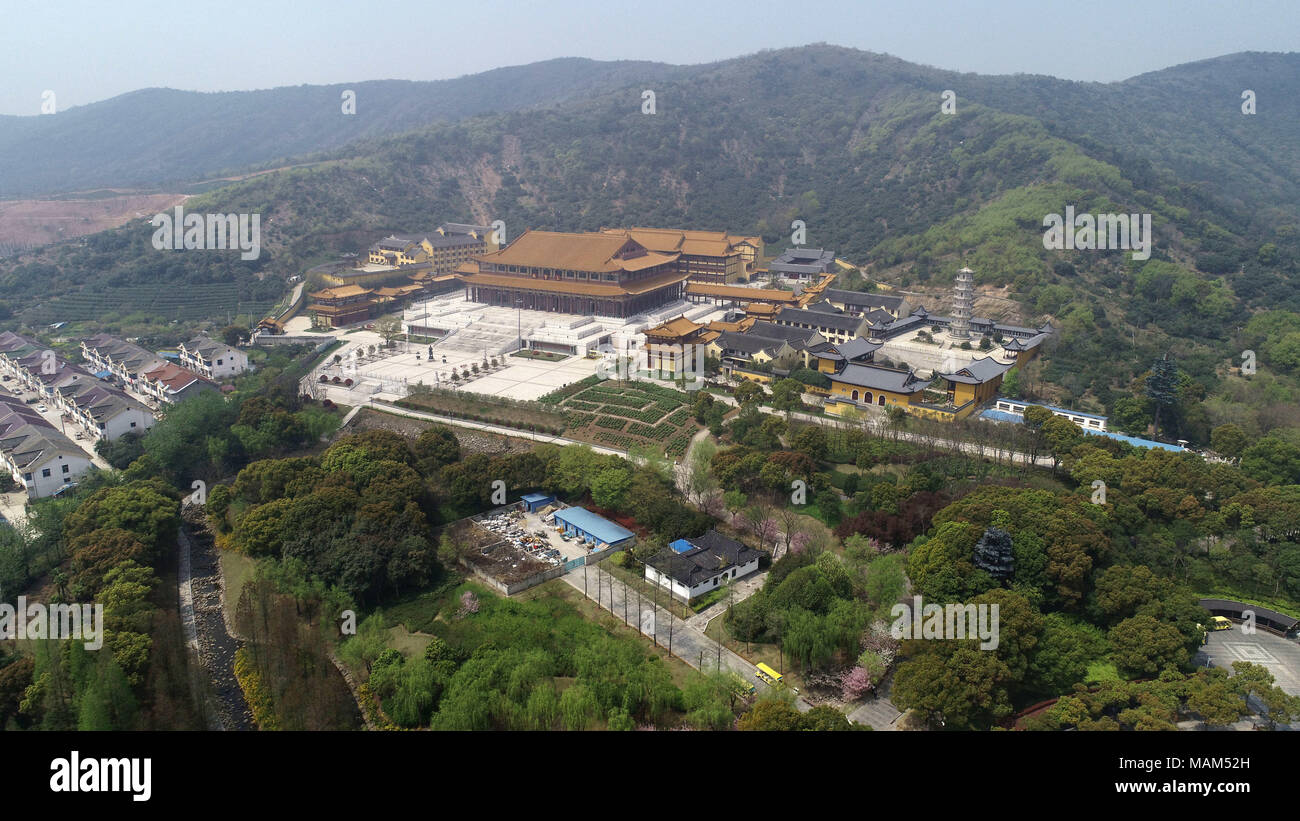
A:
x,y
1100,671
755,652
635,579
546,356
417,613
410,645
235,569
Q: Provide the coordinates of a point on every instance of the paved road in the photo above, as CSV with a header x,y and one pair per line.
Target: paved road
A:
x,y
880,713
1281,656
687,643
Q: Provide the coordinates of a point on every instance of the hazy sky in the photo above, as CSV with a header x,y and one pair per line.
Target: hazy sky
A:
x,y
89,50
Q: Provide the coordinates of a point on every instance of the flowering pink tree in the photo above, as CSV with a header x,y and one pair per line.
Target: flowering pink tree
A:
x,y
855,684
800,541
468,603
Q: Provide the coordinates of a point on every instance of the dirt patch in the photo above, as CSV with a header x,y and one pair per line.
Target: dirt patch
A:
x,y
32,223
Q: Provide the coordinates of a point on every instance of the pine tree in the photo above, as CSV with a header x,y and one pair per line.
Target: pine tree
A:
x,y
1162,385
993,554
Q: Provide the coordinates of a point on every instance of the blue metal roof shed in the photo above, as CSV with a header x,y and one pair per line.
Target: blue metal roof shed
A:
x,y
592,528
534,501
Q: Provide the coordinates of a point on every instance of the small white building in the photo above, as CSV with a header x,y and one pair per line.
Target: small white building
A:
x,y
215,360
693,567
1087,421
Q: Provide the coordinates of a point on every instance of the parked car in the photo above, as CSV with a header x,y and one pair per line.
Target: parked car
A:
x,y
42,408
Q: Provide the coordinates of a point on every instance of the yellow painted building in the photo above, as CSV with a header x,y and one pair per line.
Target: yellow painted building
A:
x,y
861,385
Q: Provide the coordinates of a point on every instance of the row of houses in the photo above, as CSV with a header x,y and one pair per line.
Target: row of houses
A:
x,y
200,362
36,454
100,410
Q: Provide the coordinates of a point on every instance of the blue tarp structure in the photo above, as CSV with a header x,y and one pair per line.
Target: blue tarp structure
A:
x,y
681,546
1133,440
592,528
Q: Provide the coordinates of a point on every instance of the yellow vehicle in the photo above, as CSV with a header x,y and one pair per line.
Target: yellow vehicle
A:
x,y
742,687
1220,623
768,674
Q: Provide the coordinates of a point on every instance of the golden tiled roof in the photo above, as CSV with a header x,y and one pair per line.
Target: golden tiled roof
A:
x,y
572,286
741,293
577,252
681,326
340,292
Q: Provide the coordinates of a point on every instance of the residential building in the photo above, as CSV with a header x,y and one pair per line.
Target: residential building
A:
x,y
450,245
977,382
111,357
172,383
34,452
738,295
103,411
831,357
858,303
215,360
739,350
864,385
689,568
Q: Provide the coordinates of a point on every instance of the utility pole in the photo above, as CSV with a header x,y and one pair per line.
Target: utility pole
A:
x,y
656,627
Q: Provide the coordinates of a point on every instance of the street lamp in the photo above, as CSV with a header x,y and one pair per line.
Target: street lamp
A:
x,y
519,332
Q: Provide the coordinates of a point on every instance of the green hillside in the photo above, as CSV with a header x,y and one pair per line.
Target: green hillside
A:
x,y
169,139
855,145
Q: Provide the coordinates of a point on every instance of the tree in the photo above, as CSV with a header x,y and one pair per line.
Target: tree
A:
x,y
748,391
812,441
1228,440
787,394
233,334
1272,460
1162,386
388,328
964,689
609,487
994,553
1143,646
771,715
700,481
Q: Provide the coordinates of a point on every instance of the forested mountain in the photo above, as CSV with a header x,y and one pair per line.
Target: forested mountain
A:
x,y
856,145
163,137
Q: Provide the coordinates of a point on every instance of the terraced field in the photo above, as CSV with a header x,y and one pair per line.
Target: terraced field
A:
x,y
626,414
187,304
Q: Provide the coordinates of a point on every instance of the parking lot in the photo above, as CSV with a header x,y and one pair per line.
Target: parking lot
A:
x,y
1281,656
